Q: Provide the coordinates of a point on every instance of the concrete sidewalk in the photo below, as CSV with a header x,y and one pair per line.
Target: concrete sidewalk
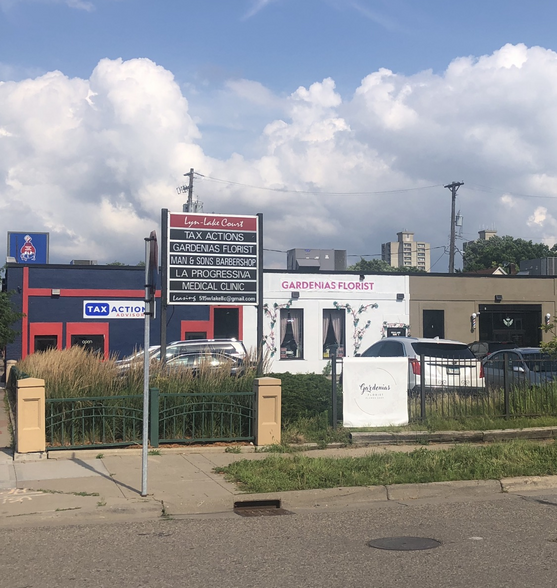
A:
x,y
77,486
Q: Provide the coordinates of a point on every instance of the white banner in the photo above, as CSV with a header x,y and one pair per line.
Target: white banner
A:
x,y
375,391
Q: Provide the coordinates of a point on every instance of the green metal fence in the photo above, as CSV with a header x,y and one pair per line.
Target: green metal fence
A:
x,y
191,418
76,423
93,422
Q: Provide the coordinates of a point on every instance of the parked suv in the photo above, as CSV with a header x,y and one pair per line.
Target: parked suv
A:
x,y
232,347
524,365
448,365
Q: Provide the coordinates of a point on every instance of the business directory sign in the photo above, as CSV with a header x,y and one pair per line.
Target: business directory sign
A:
x,y
213,259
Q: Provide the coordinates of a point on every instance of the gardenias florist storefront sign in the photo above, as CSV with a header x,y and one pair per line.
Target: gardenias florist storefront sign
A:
x,y
342,285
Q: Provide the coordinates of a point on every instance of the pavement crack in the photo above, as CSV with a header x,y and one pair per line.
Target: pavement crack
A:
x,y
539,501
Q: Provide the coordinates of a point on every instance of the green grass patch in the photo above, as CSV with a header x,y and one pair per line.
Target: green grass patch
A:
x,y
500,460
313,429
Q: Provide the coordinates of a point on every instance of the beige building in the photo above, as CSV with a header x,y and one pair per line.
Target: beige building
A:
x,y
499,309
406,252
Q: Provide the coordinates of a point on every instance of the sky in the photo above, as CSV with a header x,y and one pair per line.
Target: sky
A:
x,y
341,121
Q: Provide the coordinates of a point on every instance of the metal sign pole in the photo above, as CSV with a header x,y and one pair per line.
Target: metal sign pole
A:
x,y
261,301
146,361
164,281
151,268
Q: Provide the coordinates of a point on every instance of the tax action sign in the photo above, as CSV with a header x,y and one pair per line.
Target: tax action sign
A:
x,y
212,259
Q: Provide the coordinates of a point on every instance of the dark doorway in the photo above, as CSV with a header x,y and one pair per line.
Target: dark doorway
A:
x,y
226,323
511,325
434,323
45,342
192,335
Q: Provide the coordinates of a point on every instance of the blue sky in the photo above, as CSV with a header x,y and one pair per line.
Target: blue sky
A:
x,y
308,95
280,43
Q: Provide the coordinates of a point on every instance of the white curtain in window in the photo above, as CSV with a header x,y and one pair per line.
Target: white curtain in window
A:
x,y
326,321
336,318
296,326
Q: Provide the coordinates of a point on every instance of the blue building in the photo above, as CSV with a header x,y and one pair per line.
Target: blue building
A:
x,y
102,309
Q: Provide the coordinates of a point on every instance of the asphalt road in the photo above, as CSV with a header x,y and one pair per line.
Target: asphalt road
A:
x,y
507,541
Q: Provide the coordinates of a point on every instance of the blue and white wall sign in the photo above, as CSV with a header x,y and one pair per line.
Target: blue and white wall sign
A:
x,y
113,309
28,247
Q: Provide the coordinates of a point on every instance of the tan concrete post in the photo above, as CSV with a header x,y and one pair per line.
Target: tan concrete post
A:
x,y
30,416
9,365
268,400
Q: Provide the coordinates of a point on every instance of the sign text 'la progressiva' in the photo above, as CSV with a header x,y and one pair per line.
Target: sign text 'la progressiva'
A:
x,y
212,259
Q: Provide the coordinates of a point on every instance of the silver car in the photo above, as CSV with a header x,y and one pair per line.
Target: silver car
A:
x,y
447,365
529,365
231,347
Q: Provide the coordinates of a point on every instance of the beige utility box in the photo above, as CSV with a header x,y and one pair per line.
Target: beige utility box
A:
x,y
30,416
268,400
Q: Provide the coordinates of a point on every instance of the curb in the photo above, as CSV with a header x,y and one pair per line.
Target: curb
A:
x,y
349,496
423,437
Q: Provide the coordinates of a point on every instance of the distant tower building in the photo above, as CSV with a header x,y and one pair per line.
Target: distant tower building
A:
x,y
484,235
406,252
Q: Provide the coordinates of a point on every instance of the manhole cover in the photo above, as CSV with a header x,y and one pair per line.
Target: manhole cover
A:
x,y
259,508
404,543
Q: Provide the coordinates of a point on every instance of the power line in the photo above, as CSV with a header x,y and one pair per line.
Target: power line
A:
x,y
439,258
480,188
287,191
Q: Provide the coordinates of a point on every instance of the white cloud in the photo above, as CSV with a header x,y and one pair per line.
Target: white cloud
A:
x,y
256,6
94,160
78,4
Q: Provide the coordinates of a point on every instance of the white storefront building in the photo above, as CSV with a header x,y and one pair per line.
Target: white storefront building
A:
x,y
305,313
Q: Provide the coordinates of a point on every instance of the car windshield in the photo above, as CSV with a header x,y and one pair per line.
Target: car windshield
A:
x,y
540,362
446,350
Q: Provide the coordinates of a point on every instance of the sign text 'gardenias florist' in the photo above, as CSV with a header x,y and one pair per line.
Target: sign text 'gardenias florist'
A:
x,y
212,259
327,285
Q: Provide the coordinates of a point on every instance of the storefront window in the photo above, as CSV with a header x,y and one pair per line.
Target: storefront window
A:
x,y
333,331
292,333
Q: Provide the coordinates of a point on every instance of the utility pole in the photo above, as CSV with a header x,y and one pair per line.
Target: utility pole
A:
x,y
453,188
188,207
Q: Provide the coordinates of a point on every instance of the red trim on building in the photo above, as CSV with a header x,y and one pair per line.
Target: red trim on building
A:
x,y
88,329
90,293
196,327
45,329
209,326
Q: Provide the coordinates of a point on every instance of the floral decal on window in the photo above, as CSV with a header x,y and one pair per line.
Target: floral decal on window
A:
x,y
271,312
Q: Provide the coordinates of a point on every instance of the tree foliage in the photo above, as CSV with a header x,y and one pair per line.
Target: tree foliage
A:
x,y
378,265
502,251
8,316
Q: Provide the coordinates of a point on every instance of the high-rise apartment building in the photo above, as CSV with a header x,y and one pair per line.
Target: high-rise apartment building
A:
x,y
406,252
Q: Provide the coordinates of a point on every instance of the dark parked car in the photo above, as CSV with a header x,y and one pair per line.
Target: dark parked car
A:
x,y
525,365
